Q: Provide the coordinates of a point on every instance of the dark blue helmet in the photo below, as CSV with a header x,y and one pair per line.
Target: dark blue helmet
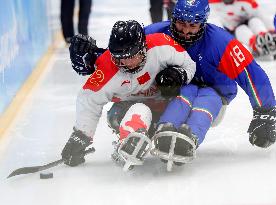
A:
x,y
194,11
191,11
126,40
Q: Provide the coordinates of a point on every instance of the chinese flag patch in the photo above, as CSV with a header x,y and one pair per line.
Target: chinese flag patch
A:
x,y
143,78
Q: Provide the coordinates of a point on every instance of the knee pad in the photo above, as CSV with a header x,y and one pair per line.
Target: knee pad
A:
x,y
116,114
138,116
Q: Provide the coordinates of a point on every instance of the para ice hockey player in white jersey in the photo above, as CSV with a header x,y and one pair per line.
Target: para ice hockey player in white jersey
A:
x,y
128,73
244,19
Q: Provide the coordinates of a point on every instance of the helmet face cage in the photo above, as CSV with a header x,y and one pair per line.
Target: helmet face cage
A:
x,y
127,41
141,54
192,11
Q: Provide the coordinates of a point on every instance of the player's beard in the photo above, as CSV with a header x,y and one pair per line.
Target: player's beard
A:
x,y
181,37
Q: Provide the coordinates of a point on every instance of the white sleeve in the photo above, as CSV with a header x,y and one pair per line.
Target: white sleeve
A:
x,y
170,56
89,107
251,12
267,20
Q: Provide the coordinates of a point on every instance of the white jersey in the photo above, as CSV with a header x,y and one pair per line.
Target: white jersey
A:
x,y
108,83
232,15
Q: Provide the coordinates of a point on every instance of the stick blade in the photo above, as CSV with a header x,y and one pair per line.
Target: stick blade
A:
x,y
29,170
24,170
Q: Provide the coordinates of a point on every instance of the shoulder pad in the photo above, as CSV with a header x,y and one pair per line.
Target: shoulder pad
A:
x,y
105,70
235,59
161,39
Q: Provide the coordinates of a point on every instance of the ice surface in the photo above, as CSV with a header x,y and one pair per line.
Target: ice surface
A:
x,y
227,171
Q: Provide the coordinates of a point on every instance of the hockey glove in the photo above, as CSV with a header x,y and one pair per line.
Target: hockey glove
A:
x,y
170,80
73,152
262,129
83,54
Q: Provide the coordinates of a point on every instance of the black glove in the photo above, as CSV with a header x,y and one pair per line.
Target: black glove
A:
x,y
262,129
83,54
73,152
170,80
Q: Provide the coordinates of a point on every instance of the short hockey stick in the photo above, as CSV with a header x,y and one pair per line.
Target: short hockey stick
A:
x,y
34,169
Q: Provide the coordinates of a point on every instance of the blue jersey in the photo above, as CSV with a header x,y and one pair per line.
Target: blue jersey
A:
x,y
275,22
222,62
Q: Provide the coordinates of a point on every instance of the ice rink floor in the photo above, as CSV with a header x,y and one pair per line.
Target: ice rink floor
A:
x,y
227,170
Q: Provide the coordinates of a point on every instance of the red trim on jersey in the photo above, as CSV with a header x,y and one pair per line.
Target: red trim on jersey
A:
x,y
235,59
214,1
252,43
161,39
253,3
105,70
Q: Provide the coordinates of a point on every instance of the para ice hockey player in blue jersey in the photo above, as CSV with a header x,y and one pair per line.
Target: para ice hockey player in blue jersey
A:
x,y
222,62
